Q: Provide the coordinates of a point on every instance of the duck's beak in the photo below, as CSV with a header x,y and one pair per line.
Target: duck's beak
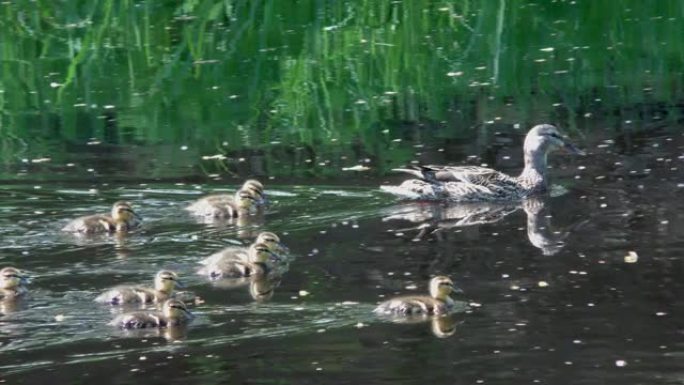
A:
x,y
283,249
190,315
275,257
24,280
136,215
180,283
571,148
456,290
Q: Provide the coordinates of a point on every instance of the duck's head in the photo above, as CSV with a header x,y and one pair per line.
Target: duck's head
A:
x,y
245,198
253,185
165,281
123,212
544,138
11,278
175,309
441,286
261,253
272,241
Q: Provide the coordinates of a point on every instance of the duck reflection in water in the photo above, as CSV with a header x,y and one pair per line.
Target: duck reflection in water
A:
x,y
436,217
260,288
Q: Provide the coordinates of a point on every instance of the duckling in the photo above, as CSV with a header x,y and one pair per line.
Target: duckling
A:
x,y
257,188
480,184
258,263
224,205
174,313
122,219
231,253
438,302
164,283
12,283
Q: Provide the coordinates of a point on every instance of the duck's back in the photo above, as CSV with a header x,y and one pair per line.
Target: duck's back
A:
x,y
131,294
231,253
216,206
233,269
91,224
413,304
140,320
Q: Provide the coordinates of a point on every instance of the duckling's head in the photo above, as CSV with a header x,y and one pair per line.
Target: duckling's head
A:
x,y
11,278
441,286
165,281
245,199
254,185
544,138
175,309
261,253
272,241
123,212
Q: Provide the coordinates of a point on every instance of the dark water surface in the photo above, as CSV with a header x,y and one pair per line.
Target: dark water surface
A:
x,y
549,296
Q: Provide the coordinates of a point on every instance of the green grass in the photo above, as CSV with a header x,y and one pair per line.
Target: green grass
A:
x,y
331,76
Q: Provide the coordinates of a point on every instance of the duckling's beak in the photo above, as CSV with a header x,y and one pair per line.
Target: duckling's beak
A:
x,y
24,280
456,290
275,257
190,315
571,148
180,283
136,215
283,249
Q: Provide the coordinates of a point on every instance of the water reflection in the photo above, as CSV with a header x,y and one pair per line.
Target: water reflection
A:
x,y
13,304
260,288
171,333
442,326
433,218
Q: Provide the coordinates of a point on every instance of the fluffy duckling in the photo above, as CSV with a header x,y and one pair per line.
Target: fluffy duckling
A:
x,y
224,205
232,253
438,302
174,313
12,283
257,188
164,283
258,263
122,219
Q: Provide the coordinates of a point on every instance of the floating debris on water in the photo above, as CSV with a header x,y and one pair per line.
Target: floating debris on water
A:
x,y
631,257
358,167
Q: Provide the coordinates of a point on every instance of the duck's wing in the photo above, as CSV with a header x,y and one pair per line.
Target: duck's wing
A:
x,y
227,269
91,224
408,305
139,320
230,253
216,206
482,176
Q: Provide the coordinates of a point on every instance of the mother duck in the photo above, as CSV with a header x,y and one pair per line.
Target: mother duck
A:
x,y
477,184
